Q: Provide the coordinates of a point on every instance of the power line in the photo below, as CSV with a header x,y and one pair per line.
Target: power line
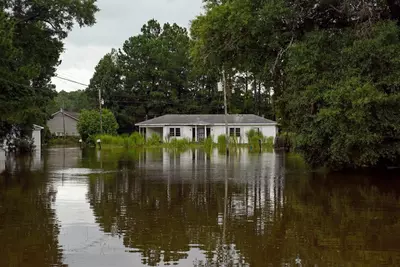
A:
x,y
69,80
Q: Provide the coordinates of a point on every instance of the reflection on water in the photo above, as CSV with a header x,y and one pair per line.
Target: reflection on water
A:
x,y
159,208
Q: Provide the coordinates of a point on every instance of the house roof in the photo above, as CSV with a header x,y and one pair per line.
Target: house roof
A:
x,y
37,127
73,115
206,119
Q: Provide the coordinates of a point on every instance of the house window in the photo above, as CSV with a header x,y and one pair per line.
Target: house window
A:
x,y
234,132
175,132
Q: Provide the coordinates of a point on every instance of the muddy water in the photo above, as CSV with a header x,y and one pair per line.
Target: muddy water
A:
x,y
69,207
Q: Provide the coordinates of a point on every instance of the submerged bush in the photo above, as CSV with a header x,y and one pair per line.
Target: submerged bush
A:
x,y
179,144
208,143
256,138
137,139
21,145
221,140
154,140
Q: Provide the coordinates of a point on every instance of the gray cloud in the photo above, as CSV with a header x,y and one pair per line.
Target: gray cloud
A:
x,y
117,21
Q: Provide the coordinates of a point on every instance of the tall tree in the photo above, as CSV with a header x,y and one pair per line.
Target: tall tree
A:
x,y
150,76
30,48
71,101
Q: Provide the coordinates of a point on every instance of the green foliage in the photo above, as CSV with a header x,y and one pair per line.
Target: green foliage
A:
x,y
221,141
256,138
208,143
333,67
32,34
64,141
89,124
137,139
154,140
74,101
341,100
179,144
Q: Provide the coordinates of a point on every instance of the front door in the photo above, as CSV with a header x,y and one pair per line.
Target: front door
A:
x,y
200,134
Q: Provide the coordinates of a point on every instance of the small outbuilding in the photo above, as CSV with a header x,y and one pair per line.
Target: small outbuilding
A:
x,y
36,137
63,123
198,127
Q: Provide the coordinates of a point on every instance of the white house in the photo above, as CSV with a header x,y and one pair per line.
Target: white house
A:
x,y
199,127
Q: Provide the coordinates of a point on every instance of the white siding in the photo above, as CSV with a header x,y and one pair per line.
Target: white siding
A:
x,y
268,131
151,131
186,132
37,141
2,160
216,130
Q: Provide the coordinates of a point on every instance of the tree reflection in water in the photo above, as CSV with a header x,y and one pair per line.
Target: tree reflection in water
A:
x,y
28,227
270,211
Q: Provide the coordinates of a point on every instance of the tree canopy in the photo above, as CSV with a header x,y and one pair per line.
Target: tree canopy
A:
x,y
89,124
32,34
330,66
74,101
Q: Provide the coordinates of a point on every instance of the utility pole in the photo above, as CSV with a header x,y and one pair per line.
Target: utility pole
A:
x,y
226,112
63,116
101,113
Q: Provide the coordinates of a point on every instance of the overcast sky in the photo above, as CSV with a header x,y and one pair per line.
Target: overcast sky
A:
x,y
116,22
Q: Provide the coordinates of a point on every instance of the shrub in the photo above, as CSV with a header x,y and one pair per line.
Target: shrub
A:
x,y
154,140
221,140
179,144
21,145
137,139
208,143
255,137
89,124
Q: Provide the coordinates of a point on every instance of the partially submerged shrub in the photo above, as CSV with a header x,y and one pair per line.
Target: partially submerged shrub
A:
x,y
208,143
179,144
137,139
154,140
256,139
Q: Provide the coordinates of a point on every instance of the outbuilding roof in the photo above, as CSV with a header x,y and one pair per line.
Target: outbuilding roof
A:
x,y
206,119
73,115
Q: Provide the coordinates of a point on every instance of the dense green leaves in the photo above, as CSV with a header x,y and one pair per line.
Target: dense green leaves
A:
x,y
329,71
73,101
89,124
340,98
31,42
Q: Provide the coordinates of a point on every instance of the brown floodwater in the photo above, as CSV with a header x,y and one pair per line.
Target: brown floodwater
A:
x,y
67,207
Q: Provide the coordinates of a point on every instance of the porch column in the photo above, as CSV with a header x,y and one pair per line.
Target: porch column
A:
x,y
195,134
205,132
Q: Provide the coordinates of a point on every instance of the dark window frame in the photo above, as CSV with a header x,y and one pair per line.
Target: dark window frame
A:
x,y
234,132
178,132
175,132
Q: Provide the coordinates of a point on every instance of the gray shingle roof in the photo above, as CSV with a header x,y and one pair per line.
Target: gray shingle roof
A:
x,y
185,119
74,115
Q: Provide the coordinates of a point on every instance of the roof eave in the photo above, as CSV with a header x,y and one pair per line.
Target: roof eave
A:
x,y
202,124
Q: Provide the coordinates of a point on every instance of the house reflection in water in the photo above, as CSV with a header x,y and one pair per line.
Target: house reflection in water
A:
x,y
180,202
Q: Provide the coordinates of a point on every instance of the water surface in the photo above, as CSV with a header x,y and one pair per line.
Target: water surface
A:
x,y
68,207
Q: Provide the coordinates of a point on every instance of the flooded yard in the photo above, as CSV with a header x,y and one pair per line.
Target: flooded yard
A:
x,y
68,207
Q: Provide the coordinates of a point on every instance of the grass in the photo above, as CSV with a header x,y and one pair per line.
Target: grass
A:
x,y
126,141
179,144
257,141
64,141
